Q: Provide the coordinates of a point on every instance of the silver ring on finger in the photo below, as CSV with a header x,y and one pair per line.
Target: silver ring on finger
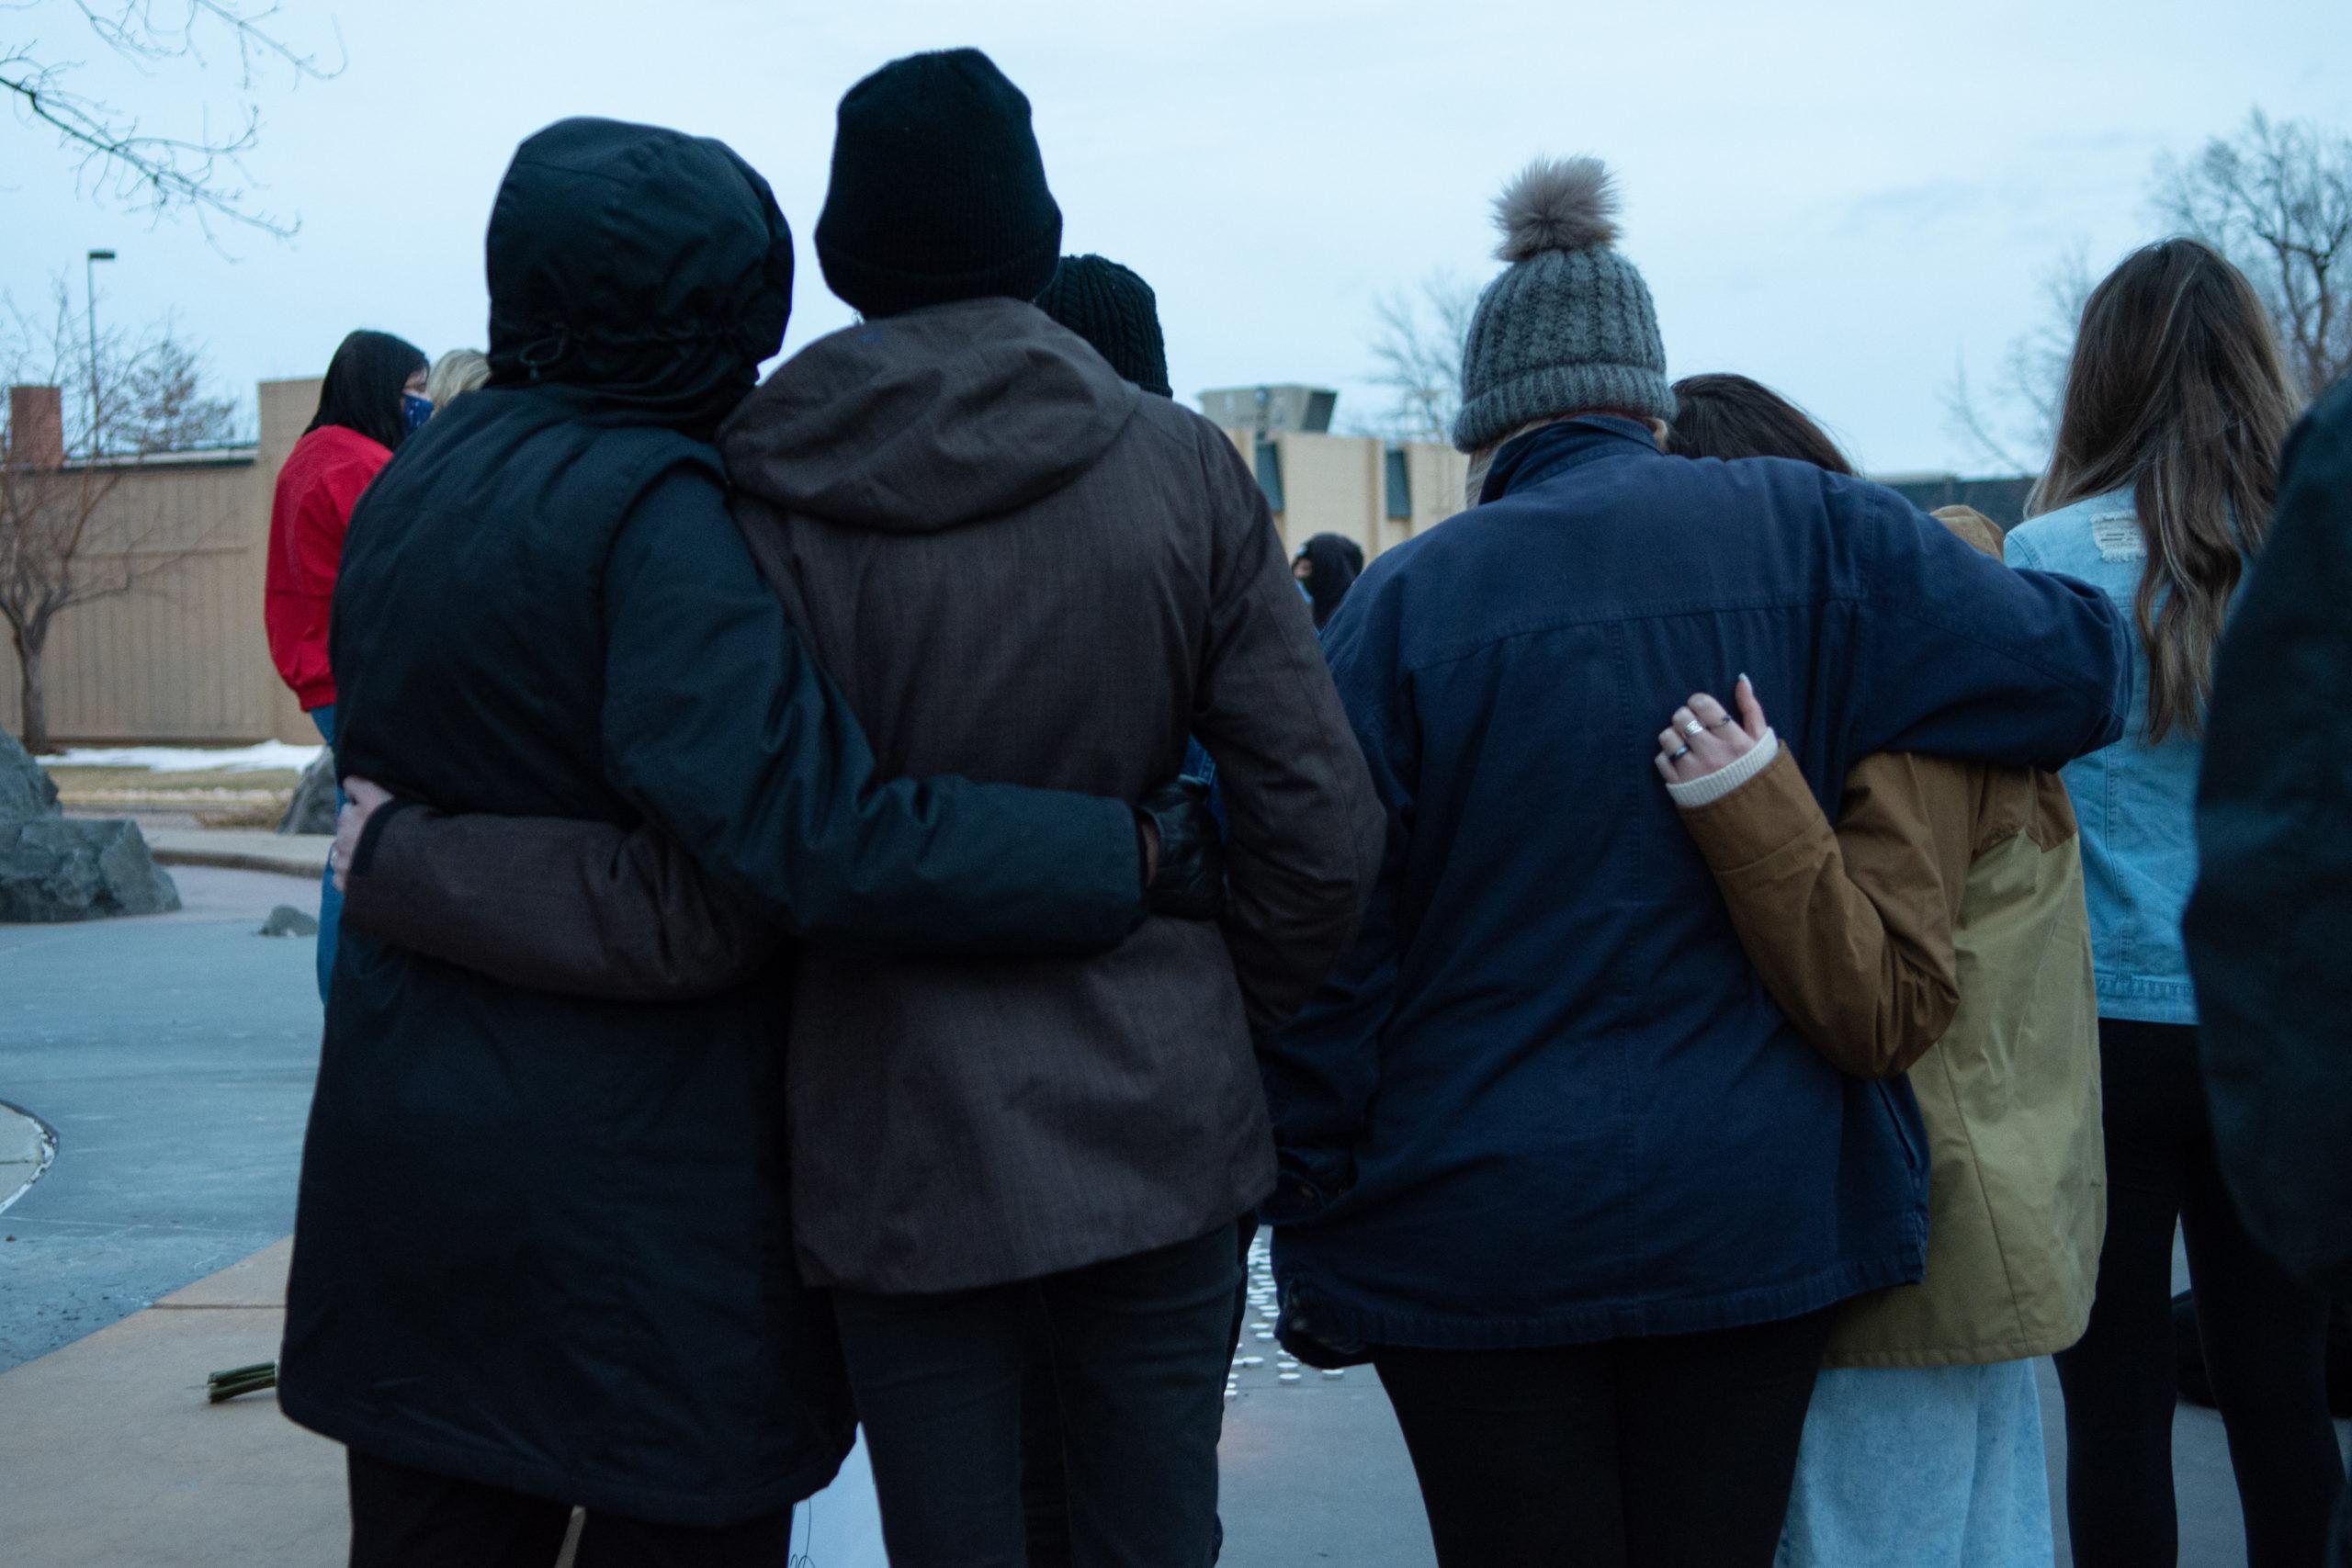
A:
x,y
1678,755
1694,729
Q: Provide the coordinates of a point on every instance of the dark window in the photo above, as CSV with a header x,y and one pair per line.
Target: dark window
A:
x,y
1269,473
1400,486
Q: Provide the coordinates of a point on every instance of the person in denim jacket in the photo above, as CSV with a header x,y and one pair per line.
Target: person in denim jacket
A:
x,y
2159,492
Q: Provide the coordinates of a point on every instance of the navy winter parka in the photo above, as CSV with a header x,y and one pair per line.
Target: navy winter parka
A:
x,y
1547,1099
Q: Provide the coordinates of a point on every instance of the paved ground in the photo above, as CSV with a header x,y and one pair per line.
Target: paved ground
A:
x,y
173,1057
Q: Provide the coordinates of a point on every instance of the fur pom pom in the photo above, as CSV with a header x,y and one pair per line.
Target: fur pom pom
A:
x,y
1556,204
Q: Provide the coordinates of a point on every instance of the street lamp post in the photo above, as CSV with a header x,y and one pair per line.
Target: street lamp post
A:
x,y
90,294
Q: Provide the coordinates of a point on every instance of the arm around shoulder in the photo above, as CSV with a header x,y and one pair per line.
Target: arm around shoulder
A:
x,y
1850,930
585,909
719,726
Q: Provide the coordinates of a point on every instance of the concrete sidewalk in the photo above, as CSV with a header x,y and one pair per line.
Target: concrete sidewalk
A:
x,y
109,1454
242,849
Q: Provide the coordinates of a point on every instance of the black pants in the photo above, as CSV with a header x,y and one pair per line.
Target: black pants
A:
x,y
1139,1347
1045,1485
1649,1453
2265,1333
413,1518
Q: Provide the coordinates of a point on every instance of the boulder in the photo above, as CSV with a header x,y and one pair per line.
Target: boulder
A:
x,y
53,867
312,808
58,868
26,790
288,920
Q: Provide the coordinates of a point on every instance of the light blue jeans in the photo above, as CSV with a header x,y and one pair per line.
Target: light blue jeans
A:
x,y
1928,1467
330,901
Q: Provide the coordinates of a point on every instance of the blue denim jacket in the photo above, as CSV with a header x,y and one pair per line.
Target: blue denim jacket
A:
x,y
2136,802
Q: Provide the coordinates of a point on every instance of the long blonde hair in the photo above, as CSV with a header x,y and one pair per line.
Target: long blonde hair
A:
x,y
2176,391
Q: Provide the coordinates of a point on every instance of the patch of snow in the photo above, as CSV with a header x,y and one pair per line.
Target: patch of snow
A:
x,y
270,756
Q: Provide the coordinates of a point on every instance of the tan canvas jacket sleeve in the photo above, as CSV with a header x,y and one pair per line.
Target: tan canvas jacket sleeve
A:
x,y
1851,930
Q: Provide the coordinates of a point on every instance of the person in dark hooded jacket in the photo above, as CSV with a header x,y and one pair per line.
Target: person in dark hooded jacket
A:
x,y
1327,568
540,1252
2271,916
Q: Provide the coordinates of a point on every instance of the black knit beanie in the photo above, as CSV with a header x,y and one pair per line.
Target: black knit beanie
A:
x,y
1117,314
938,192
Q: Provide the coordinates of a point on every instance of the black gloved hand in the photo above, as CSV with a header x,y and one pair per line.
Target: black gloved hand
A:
x,y
1189,882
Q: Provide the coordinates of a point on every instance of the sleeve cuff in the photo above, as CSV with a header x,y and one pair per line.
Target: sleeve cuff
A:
x,y
1722,782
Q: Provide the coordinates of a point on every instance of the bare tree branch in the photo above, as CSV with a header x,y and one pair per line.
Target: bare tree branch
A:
x,y
70,533
2277,199
1418,335
202,174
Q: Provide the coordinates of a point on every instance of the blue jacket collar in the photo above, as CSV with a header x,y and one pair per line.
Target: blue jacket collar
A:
x,y
1538,454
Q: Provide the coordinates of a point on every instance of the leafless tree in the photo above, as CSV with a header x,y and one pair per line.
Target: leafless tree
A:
x,y
2277,199
2032,377
191,166
69,534
1416,341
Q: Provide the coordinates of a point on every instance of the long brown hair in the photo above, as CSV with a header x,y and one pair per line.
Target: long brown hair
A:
x,y
2176,391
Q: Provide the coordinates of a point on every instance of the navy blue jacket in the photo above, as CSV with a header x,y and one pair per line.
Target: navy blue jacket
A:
x,y
1547,1099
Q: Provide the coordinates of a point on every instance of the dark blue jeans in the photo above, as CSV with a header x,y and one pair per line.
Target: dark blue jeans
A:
x,y
330,901
1139,1347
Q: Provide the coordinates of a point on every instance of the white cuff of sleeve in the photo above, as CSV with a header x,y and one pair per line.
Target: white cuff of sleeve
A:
x,y
1723,781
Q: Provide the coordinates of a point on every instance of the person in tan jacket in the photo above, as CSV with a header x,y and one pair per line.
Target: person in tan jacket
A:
x,y
1935,940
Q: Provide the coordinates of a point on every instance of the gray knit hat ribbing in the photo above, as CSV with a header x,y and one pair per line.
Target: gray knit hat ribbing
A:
x,y
1569,325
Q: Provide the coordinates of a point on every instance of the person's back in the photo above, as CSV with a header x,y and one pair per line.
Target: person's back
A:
x,y
507,512
2159,491
2137,798
1530,647
1939,929
1020,567
1040,576
1553,1161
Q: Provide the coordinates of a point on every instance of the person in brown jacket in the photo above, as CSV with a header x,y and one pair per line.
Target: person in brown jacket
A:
x,y
1018,568
1936,939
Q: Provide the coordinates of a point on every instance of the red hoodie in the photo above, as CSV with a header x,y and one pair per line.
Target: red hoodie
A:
x,y
317,488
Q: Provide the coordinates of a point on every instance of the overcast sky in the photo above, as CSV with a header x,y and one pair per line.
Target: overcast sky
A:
x,y
1843,200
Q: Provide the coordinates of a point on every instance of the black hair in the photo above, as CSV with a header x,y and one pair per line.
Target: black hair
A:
x,y
362,392
1733,416
1334,562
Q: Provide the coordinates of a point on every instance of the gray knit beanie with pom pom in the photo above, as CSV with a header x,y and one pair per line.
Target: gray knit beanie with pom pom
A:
x,y
1568,325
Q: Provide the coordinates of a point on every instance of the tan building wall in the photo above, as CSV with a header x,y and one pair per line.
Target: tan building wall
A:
x,y
1339,484
182,656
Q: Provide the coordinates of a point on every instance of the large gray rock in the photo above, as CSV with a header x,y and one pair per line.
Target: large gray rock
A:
x,y
56,868
24,789
313,806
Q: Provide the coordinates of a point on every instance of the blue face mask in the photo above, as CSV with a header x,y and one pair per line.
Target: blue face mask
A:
x,y
415,410
1304,592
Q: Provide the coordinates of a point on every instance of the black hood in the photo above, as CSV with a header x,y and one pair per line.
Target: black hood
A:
x,y
645,266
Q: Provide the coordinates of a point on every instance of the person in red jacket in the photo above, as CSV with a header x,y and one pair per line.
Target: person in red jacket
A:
x,y
373,396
